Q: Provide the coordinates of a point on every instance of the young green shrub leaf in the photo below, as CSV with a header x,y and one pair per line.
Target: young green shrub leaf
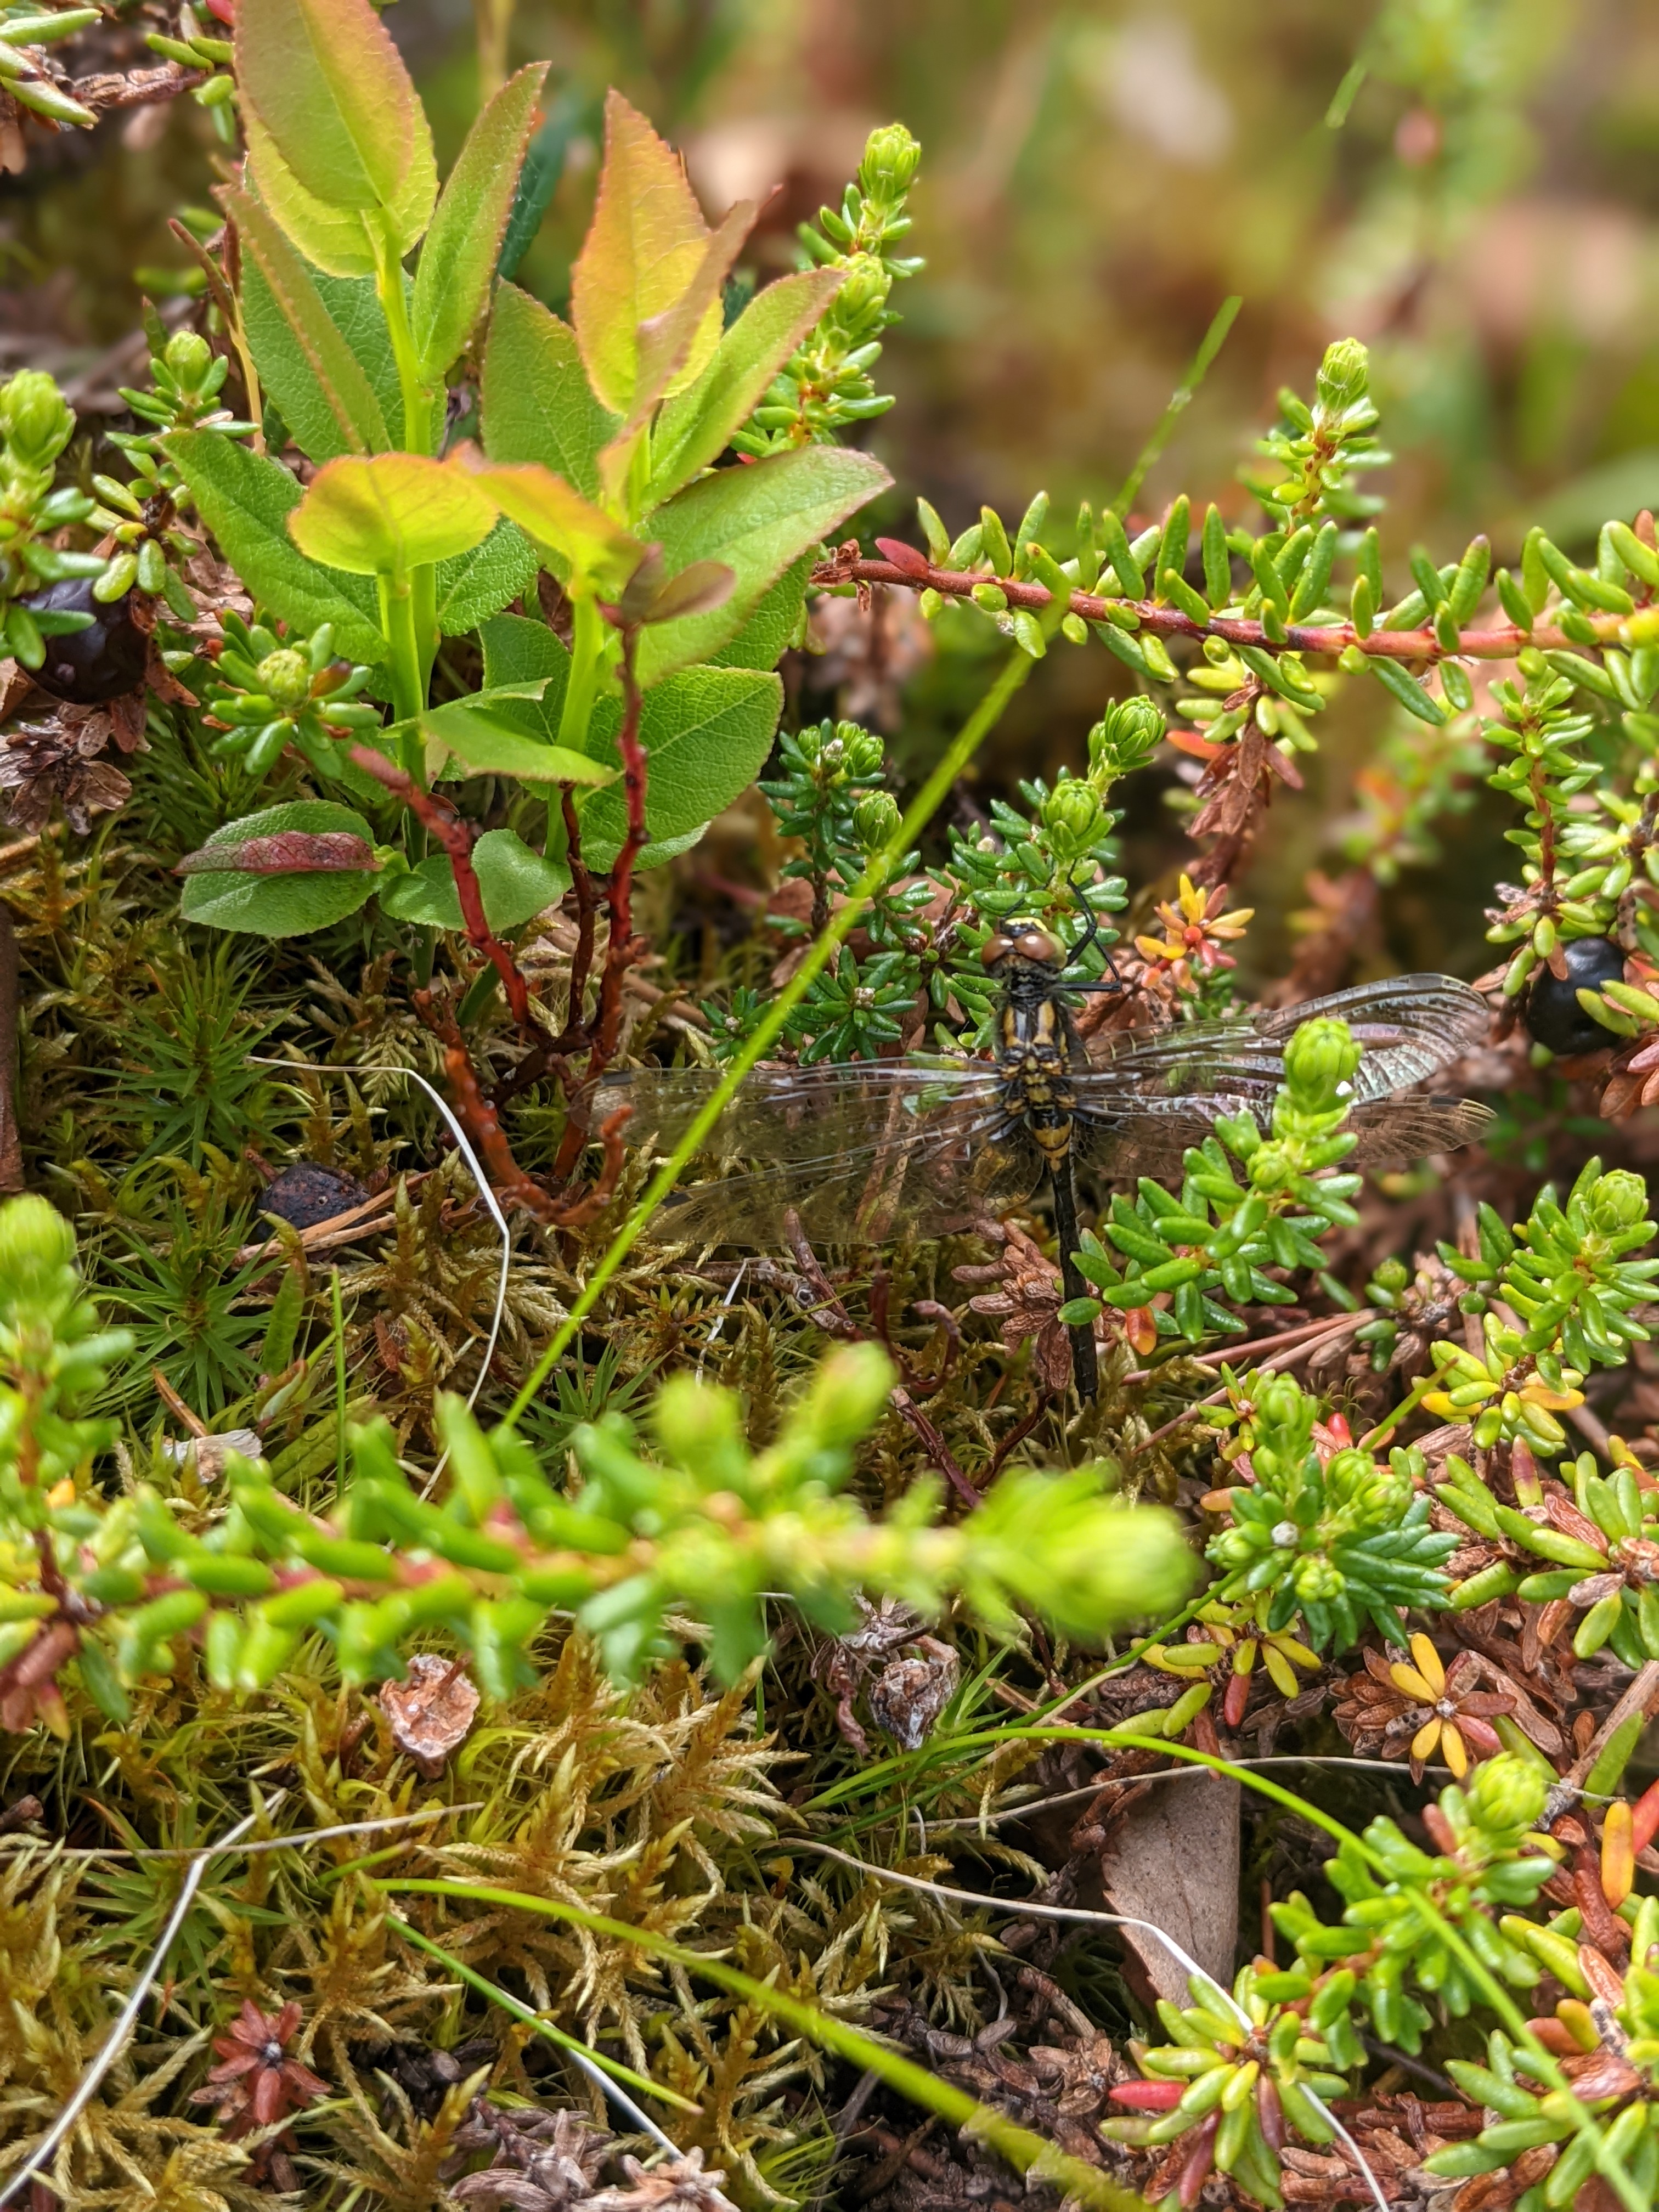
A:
x,y
344,406
642,253
335,239
515,883
246,501
536,400
491,746
692,430
330,87
389,514
451,282
757,521
473,585
706,732
285,372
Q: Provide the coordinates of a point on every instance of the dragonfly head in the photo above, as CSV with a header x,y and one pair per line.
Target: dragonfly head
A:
x,y
1024,942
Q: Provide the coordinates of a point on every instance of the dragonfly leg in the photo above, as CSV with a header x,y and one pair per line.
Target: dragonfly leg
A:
x,y
1090,937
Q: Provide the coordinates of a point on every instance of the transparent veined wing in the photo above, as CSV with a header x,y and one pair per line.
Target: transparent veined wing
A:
x,y
932,1172
1409,1026
1395,1132
818,1113
856,1150
1151,1137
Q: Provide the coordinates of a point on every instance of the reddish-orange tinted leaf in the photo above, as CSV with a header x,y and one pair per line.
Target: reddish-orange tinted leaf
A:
x,y
290,852
331,88
596,553
641,253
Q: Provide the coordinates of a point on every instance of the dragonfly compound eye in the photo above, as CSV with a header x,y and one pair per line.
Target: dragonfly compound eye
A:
x,y
995,950
1038,945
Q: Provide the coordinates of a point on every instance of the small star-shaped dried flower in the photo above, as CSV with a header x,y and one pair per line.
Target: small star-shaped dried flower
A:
x,y
47,763
1196,932
256,2082
1423,1707
431,1711
1027,1301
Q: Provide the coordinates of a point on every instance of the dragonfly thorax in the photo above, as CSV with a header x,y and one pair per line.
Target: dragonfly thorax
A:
x,y
1034,1059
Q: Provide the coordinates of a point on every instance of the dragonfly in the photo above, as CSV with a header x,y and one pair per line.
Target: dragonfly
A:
x,y
854,1151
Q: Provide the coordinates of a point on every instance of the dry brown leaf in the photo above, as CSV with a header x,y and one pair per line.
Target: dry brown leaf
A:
x,y
431,1712
1173,1860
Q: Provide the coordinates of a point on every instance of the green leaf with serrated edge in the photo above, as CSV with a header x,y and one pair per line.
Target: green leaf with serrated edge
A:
x,y
515,705
281,906
666,342
339,399
246,501
692,430
353,307
757,520
334,238
534,395
705,733
761,641
521,652
643,249
485,742
451,282
514,882
474,586
286,380
389,512
585,547
327,82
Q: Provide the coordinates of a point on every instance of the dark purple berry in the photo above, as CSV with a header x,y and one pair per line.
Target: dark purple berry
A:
x,y
1551,1010
305,1195
89,667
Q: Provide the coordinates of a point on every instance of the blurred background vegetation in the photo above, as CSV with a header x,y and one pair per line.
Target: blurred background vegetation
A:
x,y
1470,186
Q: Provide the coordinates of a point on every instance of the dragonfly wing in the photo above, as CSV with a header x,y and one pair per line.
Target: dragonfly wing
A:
x,y
1155,1095
857,1152
1395,1132
1151,1137
1409,1026
787,1113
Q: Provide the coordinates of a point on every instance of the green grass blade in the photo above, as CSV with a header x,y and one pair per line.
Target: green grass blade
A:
x,y
1024,2151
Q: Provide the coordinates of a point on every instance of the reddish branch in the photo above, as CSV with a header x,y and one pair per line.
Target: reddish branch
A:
x,y
478,1117
456,838
588,901
622,949
917,573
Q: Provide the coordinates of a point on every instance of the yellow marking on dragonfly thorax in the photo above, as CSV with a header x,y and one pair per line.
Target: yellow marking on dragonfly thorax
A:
x,y
1033,1062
